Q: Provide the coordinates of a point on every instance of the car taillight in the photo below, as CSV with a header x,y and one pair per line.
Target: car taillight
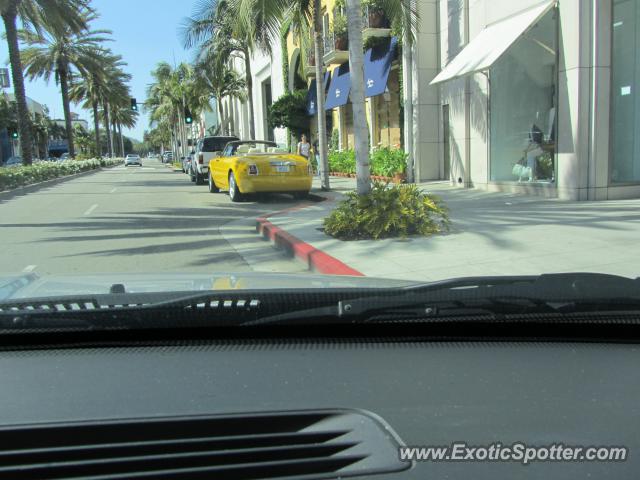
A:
x,y
200,159
253,170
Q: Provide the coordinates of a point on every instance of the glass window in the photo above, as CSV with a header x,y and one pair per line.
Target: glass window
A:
x,y
625,103
523,107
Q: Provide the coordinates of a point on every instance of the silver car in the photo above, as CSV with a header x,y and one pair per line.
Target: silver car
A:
x,y
132,159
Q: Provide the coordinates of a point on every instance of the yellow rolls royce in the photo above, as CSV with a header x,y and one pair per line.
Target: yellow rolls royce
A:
x,y
255,166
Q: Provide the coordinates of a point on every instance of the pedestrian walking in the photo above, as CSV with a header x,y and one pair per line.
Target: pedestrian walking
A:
x,y
304,147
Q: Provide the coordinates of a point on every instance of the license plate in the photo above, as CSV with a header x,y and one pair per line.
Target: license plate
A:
x,y
282,168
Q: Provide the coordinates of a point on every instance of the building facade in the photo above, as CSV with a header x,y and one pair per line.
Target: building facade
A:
x,y
528,96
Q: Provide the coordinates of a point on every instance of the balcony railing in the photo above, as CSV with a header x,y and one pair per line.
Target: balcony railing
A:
x,y
333,55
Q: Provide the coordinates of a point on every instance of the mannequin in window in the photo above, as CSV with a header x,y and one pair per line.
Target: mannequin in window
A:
x,y
533,151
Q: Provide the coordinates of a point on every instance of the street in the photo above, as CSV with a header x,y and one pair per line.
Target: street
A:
x,y
136,219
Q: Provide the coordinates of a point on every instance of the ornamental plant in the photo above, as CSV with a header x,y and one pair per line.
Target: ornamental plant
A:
x,y
14,177
387,211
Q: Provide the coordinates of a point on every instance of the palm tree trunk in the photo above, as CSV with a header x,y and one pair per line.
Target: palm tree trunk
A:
x,y
96,128
115,136
64,88
249,82
219,112
323,164
356,69
105,109
24,120
121,138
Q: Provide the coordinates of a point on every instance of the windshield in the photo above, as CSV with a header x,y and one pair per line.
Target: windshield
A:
x,y
211,152
215,144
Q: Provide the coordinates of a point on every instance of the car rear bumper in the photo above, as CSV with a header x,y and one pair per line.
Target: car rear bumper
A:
x,y
274,183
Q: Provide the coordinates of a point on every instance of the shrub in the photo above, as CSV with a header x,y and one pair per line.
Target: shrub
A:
x,y
344,161
290,111
13,177
387,162
387,211
334,142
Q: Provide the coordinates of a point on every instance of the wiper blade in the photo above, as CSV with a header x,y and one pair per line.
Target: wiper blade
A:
x,y
477,296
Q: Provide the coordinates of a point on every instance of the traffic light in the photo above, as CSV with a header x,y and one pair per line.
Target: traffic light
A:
x,y
13,133
134,105
188,118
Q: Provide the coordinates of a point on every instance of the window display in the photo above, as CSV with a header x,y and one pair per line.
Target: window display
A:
x,y
523,107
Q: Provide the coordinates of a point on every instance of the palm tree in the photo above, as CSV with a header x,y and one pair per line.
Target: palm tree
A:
x,y
93,89
123,116
114,92
222,82
58,51
220,34
400,11
58,15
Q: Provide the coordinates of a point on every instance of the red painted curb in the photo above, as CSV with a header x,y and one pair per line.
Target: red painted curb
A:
x,y
316,260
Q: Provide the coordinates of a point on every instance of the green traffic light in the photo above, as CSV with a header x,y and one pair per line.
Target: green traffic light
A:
x,y
14,134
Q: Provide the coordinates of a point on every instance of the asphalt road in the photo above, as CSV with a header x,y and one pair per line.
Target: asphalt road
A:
x,y
133,219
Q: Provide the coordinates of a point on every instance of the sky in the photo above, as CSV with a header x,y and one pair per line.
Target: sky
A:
x,y
145,32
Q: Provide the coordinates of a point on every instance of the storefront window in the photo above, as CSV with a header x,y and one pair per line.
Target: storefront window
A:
x,y
523,107
625,101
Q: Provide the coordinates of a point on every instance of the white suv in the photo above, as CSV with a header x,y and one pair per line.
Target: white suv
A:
x,y
207,148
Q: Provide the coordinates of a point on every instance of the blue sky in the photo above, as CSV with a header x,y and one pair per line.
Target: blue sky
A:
x,y
145,32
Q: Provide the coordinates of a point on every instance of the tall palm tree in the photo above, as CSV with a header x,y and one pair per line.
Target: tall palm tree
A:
x,y
58,52
222,82
220,34
123,116
92,90
114,91
401,11
58,14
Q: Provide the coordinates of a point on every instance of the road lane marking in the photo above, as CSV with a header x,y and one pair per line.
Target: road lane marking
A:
x,y
113,190
29,268
91,209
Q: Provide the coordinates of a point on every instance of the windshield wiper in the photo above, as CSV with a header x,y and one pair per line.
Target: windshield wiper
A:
x,y
490,297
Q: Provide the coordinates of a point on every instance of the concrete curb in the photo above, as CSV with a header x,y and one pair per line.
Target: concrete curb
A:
x,y
315,259
16,192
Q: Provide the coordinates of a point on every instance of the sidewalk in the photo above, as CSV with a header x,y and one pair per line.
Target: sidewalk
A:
x,y
492,233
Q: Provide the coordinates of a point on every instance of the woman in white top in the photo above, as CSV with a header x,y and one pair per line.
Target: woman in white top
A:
x,y
304,146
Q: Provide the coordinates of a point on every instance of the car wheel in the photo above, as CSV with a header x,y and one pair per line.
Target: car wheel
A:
x,y
199,179
300,195
212,185
192,176
234,192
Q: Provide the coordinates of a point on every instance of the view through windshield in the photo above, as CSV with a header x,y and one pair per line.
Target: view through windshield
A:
x,y
202,145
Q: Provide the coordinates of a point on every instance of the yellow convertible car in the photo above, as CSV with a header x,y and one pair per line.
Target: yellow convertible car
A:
x,y
255,166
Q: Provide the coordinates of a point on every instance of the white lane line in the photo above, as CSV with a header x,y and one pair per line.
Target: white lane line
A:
x,y
113,190
29,268
91,209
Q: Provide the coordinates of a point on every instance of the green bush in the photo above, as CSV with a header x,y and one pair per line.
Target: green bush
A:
x,y
13,177
387,162
387,211
344,161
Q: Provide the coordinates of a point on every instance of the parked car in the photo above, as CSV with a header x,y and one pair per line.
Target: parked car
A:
x,y
13,161
207,149
167,157
65,156
132,159
255,166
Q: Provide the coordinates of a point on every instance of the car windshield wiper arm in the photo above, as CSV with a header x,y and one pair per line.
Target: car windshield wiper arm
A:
x,y
481,296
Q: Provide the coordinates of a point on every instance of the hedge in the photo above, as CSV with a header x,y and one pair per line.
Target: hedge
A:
x,y
384,162
19,176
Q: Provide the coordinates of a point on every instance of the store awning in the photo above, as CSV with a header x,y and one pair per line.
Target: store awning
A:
x,y
338,94
377,64
489,45
312,94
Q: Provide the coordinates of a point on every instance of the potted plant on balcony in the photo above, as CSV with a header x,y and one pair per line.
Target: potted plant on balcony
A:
x,y
340,32
376,16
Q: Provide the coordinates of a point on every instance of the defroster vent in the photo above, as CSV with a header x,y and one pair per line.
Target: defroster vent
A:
x,y
309,444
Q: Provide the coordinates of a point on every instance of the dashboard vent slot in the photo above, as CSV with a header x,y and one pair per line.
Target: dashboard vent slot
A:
x,y
310,444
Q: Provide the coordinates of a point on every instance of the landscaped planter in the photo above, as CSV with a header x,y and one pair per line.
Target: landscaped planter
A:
x,y
341,42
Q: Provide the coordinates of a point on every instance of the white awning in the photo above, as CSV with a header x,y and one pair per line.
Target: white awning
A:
x,y
489,45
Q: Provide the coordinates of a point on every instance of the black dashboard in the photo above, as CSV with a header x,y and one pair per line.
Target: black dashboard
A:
x,y
428,393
